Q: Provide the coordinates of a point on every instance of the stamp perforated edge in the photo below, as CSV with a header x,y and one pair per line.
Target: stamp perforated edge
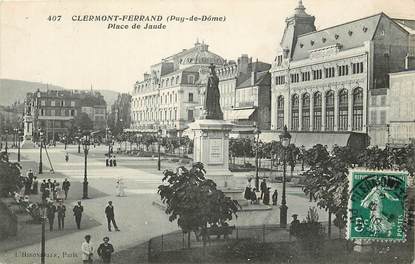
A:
x,y
349,203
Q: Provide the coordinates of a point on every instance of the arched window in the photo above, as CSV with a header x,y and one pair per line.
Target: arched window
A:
x,y
357,108
177,79
343,109
294,113
330,111
305,120
317,102
172,80
280,112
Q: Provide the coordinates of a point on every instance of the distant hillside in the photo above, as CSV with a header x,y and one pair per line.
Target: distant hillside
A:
x,y
16,90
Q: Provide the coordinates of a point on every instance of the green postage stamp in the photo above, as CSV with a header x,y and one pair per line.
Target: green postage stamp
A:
x,y
376,208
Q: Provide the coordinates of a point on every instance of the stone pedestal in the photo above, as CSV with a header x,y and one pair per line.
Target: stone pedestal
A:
x,y
211,147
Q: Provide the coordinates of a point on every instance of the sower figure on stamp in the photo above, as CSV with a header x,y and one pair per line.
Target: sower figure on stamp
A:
x,y
77,212
109,212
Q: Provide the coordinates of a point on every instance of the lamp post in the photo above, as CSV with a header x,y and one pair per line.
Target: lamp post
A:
x,y
285,138
6,132
85,143
40,150
108,131
19,132
65,140
158,149
79,140
256,136
43,241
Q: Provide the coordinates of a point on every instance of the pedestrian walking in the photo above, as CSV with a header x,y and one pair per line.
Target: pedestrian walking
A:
x,y
263,187
105,250
30,174
61,210
266,196
106,161
50,212
27,186
111,160
109,212
43,186
254,198
35,185
65,186
120,188
77,212
66,157
248,190
275,197
87,250
114,162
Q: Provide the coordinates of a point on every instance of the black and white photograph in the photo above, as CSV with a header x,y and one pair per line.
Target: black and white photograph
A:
x,y
220,131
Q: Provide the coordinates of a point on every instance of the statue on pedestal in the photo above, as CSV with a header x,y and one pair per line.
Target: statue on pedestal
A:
x,y
211,104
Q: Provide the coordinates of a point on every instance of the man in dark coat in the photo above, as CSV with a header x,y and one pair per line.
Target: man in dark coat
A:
x,y
65,186
109,212
105,250
275,197
43,186
77,212
263,187
61,209
50,213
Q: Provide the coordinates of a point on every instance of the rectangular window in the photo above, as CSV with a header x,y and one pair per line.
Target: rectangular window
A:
x,y
295,121
52,103
317,120
382,117
317,74
190,115
357,67
374,100
330,119
383,100
72,103
329,72
295,77
279,80
190,97
43,103
305,76
343,70
373,117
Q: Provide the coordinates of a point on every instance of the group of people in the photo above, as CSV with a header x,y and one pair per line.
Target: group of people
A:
x,y
111,161
250,193
48,188
104,250
30,183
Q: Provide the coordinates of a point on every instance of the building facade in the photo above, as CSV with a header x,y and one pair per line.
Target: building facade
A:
x,y
322,79
55,112
245,95
401,117
171,96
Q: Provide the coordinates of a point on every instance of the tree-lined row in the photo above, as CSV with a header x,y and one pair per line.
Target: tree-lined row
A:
x,y
326,179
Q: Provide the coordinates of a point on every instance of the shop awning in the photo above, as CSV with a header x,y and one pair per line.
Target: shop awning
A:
x,y
308,140
241,114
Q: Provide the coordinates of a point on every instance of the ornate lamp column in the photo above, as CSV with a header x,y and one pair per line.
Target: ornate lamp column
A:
x,y
85,144
159,132
256,135
285,138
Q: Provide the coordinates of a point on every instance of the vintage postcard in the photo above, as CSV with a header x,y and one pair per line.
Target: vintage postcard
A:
x,y
189,131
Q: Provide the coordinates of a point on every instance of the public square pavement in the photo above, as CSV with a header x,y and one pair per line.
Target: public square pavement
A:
x,y
135,215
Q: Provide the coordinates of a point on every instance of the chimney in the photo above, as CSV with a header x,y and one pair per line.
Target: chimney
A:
x,y
253,73
243,63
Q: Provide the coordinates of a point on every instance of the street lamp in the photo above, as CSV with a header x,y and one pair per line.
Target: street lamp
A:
x,y
40,150
65,140
79,140
43,241
256,137
109,140
6,131
285,138
85,143
159,132
18,134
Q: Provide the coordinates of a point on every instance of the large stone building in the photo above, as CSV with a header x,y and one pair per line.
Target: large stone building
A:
x,y
170,96
245,91
55,111
322,80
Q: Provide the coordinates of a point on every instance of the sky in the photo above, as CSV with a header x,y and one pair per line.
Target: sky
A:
x,y
77,55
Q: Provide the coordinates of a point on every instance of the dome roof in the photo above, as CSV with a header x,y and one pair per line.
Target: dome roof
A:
x,y
200,54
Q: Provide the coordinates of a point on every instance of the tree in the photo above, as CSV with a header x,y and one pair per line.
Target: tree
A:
x,y
326,180
83,122
195,201
10,180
